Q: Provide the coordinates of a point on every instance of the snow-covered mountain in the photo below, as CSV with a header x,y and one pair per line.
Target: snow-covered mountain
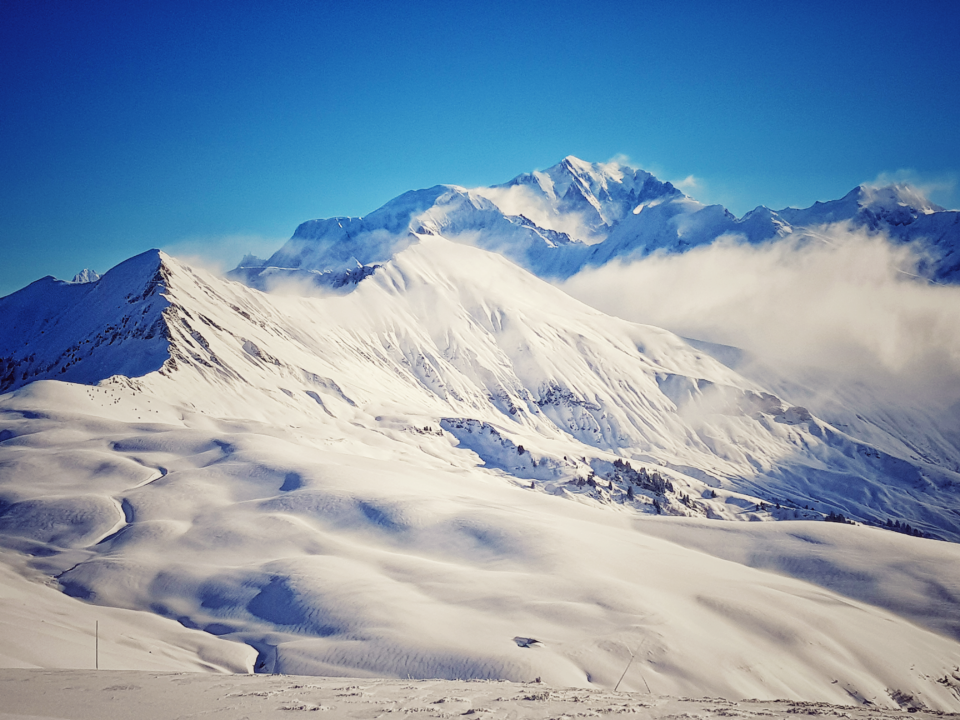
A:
x,y
498,359
403,479
578,214
86,275
77,331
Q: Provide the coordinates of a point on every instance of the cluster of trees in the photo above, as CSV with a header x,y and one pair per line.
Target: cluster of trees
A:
x,y
837,518
894,525
651,481
625,474
592,481
904,528
426,430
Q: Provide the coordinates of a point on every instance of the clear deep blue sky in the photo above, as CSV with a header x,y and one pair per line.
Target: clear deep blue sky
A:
x,y
214,127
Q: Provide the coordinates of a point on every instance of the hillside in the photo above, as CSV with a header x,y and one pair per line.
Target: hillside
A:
x,y
403,480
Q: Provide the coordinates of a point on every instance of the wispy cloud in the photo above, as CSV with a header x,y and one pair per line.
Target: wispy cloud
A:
x,y
522,200
941,188
222,252
841,300
621,159
688,184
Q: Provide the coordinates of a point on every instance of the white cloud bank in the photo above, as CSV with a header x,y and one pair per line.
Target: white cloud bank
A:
x,y
940,189
221,253
832,299
523,200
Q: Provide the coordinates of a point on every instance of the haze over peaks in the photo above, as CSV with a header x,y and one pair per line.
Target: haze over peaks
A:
x,y
578,214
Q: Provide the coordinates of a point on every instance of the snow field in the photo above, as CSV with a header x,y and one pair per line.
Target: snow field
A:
x,y
390,567
107,695
293,478
42,628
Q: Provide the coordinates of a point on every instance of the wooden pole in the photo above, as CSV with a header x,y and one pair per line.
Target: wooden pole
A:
x,y
97,656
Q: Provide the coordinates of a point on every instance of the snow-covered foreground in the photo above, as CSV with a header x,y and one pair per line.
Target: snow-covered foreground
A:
x,y
43,628
105,695
369,563
421,477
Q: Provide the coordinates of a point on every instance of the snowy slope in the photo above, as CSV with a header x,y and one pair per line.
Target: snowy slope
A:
x,y
79,331
400,480
43,628
500,359
332,562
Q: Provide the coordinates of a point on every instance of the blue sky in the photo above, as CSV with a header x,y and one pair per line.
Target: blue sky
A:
x,y
215,128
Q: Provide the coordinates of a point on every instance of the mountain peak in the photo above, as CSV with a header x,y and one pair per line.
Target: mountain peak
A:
x,y
896,195
575,164
595,176
85,332
86,276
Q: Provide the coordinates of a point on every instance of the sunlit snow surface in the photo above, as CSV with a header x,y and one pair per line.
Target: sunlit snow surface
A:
x,y
90,695
338,482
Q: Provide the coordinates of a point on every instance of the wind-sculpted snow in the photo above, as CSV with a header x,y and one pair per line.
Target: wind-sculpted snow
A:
x,y
401,480
405,565
43,628
912,583
92,695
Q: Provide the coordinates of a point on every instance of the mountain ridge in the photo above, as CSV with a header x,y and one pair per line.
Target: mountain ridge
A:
x,y
577,214
57,329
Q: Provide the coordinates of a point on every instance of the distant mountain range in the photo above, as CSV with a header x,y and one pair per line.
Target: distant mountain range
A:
x,y
577,214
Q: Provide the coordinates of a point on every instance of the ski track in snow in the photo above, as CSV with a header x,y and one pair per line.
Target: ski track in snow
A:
x,y
161,473
117,526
